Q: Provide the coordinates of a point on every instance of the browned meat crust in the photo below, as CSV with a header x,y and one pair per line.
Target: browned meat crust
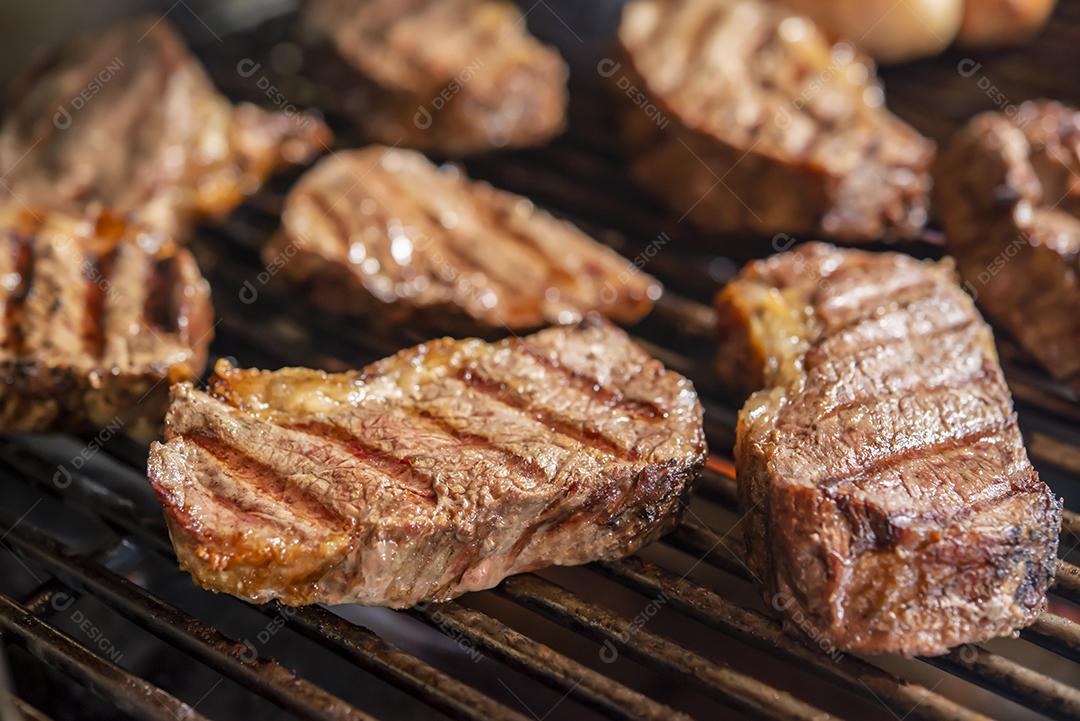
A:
x,y
384,234
1008,197
456,76
99,317
891,506
439,470
762,126
128,120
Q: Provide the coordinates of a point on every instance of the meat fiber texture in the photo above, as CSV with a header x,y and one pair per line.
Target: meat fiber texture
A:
x,y
891,505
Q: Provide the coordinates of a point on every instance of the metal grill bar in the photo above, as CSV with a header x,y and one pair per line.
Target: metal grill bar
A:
x,y
1055,633
28,712
736,689
976,664
227,656
126,691
767,634
364,648
504,643
1012,680
541,662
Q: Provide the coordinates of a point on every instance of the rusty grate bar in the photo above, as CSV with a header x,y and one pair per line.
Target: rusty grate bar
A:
x,y
364,648
767,634
231,658
127,692
983,667
1012,680
543,663
723,683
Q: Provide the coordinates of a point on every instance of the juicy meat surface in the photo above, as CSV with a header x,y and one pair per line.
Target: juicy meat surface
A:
x,y
891,506
99,317
382,233
743,117
1008,197
455,76
436,471
128,120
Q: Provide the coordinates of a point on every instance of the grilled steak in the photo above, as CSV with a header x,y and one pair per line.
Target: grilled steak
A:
x,y
439,470
98,318
1007,195
891,506
385,234
742,117
456,76
128,120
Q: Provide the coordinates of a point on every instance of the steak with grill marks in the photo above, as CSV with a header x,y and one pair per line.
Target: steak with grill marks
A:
x,y
744,118
99,317
456,76
439,470
1007,194
150,135
384,234
891,506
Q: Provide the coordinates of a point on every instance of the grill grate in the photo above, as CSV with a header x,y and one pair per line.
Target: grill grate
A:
x,y
578,176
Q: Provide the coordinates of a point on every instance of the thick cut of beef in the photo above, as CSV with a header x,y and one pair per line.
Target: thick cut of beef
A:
x,y
128,120
455,76
1007,194
99,317
744,118
891,506
384,234
439,470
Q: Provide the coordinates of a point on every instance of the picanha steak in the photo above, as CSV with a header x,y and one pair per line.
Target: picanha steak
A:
x,y
384,234
439,470
99,317
456,76
891,506
741,116
1007,194
128,120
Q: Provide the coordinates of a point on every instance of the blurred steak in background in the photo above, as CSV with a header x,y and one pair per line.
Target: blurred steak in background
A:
x,y
1008,194
99,317
453,76
128,120
763,126
384,234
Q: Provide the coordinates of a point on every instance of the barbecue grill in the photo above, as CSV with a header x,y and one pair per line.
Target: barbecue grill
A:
x,y
97,621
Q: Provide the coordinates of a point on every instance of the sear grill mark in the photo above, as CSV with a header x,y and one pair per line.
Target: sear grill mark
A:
x,y
636,408
163,305
524,466
97,271
503,394
399,469
264,480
